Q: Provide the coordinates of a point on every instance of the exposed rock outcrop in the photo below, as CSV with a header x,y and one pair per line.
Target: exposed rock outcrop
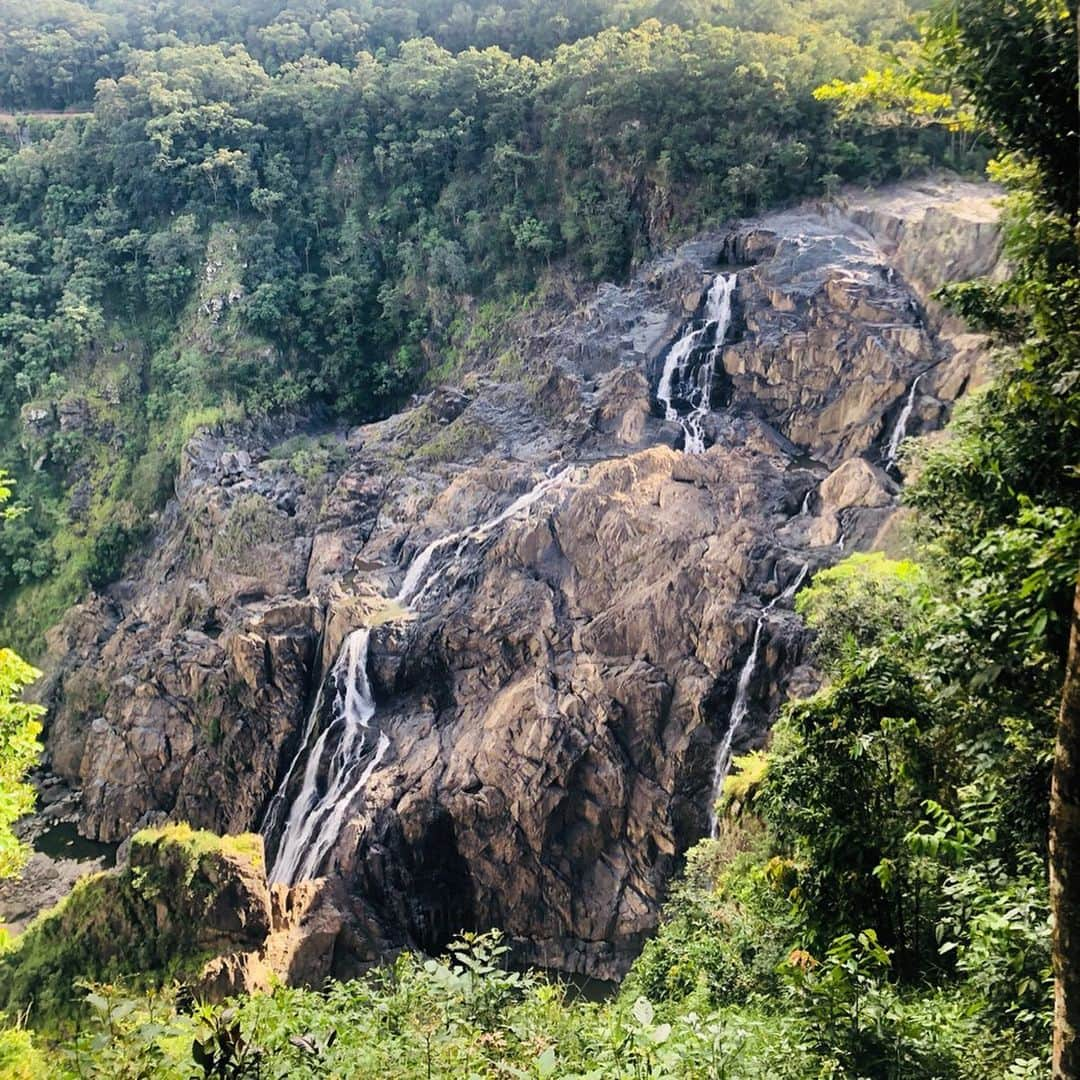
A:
x,y
308,941
183,894
553,691
856,485
932,232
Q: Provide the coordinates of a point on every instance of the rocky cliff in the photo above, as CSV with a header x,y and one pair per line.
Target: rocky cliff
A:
x,y
183,895
558,605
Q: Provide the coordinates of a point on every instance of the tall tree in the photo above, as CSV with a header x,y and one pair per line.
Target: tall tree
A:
x,y
1065,836
1020,67
1065,864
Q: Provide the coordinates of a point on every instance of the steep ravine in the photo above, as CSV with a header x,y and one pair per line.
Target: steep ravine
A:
x,y
551,699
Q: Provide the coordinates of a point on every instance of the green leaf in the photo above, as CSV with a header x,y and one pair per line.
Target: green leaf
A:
x,y
643,1012
546,1062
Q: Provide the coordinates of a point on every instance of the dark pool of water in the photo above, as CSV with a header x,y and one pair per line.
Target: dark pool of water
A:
x,y
64,842
582,987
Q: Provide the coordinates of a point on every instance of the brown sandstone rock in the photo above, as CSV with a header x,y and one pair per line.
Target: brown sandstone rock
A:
x,y
855,484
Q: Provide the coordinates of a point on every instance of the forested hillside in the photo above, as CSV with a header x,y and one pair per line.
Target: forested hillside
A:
x,y
267,208
54,53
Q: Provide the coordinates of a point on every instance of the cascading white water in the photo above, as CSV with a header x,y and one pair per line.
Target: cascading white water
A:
x,y
793,588
418,580
278,806
340,761
740,707
676,360
677,365
315,817
899,432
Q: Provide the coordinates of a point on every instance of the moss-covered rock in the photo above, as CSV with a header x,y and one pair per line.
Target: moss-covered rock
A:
x,y
184,896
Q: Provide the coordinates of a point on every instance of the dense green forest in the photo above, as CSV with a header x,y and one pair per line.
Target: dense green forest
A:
x,y
365,181
260,208
55,53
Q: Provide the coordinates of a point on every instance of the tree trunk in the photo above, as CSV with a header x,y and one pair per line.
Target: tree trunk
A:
x,y
1065,865
1065,839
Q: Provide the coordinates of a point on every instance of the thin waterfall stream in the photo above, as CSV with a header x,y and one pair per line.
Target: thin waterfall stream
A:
x,y
337,758
740,706
899,432
339,761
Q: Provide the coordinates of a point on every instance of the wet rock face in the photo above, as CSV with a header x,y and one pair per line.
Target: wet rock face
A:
x,y
838,315
554,691
822,308
553,708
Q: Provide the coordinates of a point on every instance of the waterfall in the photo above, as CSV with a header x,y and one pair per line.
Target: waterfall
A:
x,y
272,819
677,366
804,510
417,578
740,707
315,818
341,759
900,431
676,360
792,589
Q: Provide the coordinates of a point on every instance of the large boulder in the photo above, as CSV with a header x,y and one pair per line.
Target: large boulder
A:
x,y
855,485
